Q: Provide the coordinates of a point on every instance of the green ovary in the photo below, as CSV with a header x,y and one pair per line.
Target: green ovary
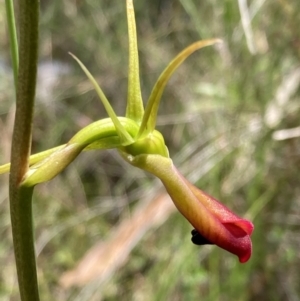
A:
x,y
154,143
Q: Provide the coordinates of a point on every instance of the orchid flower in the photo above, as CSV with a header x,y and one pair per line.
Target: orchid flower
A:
x,y
141,145
213,222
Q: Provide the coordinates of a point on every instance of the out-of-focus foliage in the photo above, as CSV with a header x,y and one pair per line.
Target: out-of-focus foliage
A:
x,y
222,116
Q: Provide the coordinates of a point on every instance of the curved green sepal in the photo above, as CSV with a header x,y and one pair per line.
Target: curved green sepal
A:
x,y
135,107
105,129
124,136
149,118
101,134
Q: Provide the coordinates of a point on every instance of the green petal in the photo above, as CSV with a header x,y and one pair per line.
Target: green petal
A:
x,y
125,138
135,108
149,119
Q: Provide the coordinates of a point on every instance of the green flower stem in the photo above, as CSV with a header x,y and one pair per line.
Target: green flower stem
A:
x,y
21,197
11,25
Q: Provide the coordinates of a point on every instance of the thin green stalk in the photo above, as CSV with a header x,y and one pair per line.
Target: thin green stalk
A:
x,y
11,25
21,197
22,225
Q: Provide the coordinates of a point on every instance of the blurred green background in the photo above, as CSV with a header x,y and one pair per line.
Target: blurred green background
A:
x,y
230,116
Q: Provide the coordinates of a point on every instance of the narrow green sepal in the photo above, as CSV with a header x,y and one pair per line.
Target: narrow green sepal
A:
x,y
135,107
149,118
125,138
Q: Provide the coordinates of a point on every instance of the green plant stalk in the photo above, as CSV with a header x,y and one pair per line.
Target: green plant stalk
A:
x,y
11,25
22,224
21,197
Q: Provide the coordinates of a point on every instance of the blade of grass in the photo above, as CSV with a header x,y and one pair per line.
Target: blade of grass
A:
x,y
11,25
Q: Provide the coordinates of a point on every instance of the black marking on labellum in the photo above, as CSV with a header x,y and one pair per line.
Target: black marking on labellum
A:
x,y
198,239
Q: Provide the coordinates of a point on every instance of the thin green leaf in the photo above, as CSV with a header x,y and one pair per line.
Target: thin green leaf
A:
x,y
125,138
135,108
149,119
13,40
